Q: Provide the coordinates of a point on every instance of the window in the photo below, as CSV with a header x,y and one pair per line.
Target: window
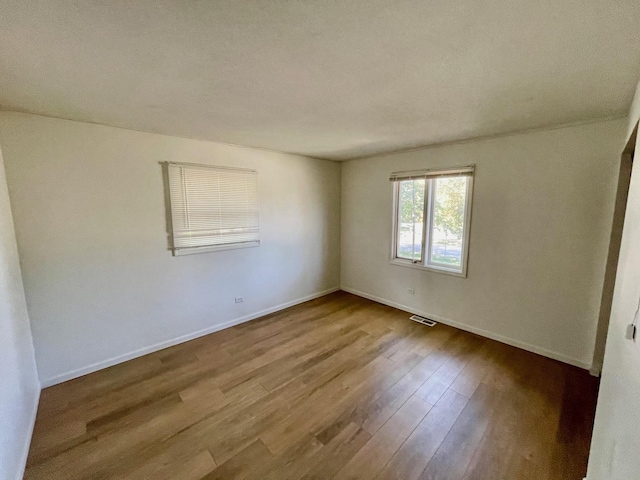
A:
x,y
432,212
212,208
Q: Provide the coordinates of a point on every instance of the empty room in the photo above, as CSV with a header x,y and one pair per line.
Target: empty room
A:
x,y
288,239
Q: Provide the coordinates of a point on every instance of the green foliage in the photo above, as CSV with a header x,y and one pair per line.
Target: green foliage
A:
x,y
412,201
449,205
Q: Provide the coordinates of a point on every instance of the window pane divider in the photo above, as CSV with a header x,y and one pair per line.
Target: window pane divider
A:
x,y
425,220
429,220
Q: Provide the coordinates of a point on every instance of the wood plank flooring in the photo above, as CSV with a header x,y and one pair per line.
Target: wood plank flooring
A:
x,y
336,388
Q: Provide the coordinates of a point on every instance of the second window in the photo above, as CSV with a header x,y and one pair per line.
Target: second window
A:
x,y
432,221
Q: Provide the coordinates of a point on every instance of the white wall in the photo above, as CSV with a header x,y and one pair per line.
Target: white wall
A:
x,y
616,436
542,213
101,284
19,387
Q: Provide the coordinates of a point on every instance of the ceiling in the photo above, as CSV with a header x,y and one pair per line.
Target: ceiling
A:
x,y
331,79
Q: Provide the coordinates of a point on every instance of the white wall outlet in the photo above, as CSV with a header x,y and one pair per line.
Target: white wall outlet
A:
x,y
239,300
411,291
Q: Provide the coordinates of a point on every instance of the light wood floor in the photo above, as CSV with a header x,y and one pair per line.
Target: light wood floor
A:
x,y
339,387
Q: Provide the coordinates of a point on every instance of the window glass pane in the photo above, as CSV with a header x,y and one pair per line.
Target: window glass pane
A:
x,y
410,219
448,221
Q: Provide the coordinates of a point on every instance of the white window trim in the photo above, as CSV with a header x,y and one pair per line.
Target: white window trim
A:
x,y
426,244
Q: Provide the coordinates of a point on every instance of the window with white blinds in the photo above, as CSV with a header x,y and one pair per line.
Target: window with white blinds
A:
x,y
213,208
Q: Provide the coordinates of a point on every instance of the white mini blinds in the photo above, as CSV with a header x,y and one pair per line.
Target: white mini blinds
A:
x,y
212,208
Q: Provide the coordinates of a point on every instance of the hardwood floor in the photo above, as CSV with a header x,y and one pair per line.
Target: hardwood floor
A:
x,y
336,388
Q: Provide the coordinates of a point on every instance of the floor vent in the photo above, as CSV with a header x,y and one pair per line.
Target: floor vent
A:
x,y
422,320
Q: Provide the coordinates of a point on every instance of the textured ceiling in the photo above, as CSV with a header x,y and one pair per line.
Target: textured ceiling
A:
x,y
332,79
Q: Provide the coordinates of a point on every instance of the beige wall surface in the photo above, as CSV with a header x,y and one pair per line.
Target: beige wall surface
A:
x,y
541,221
19,387
616,436
101,284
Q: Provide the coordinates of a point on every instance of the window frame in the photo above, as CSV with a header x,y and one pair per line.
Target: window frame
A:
x,y
170,207
427,230
396,230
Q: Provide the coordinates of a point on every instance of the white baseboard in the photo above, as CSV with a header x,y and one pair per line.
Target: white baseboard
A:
x,y
32,424
478,331
174,341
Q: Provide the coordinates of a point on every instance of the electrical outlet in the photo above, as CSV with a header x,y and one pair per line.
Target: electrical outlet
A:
x,y
411,291
630,334
239,300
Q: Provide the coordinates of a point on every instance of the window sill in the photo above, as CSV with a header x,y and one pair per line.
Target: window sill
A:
x,y
432,268
179,252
